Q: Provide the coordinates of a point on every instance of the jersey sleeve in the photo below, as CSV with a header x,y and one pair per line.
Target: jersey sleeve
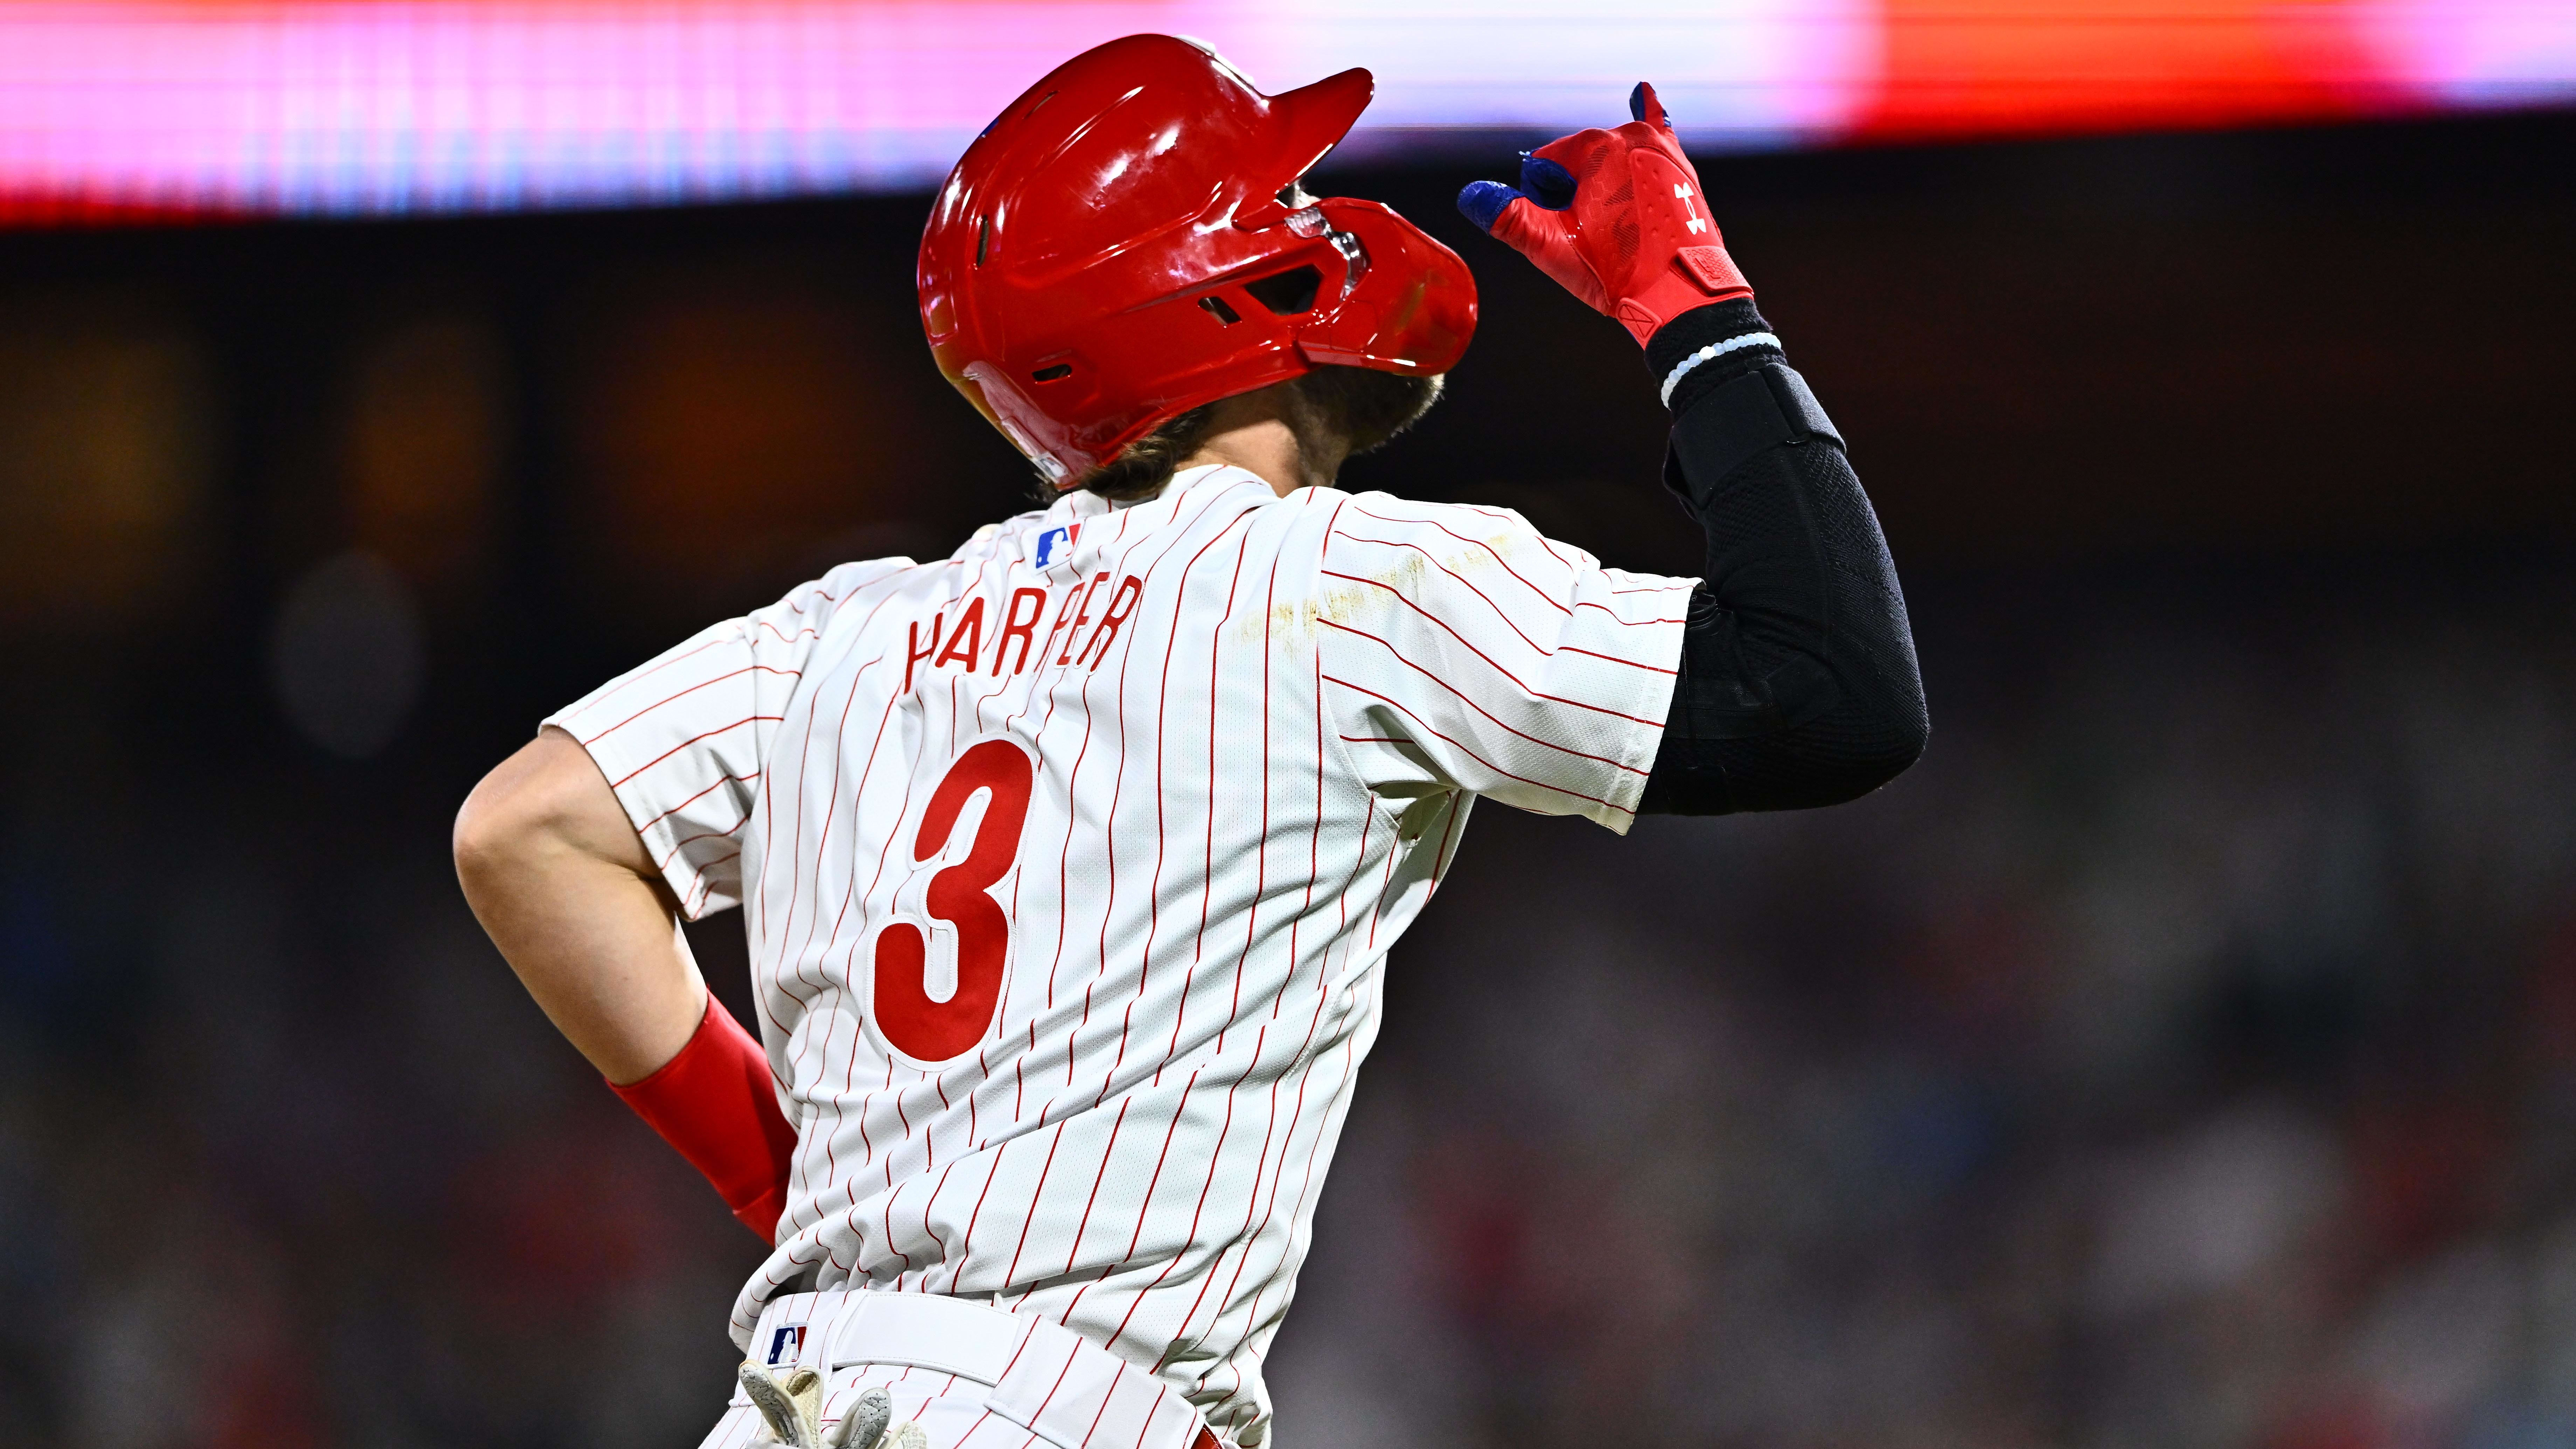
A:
x,y
1461,649
684,738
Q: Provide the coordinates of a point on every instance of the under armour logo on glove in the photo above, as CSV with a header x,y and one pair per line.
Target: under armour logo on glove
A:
x,y
1698,223
1614,217
792,1408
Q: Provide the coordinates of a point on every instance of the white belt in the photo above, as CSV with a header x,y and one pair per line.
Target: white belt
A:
x,y
1043,1377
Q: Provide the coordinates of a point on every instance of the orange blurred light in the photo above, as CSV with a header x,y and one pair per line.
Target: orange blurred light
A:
x,y
1982,67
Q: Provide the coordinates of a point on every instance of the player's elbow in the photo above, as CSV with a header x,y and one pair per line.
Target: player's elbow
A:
x,y
531,806
1884,749
496,829
1848,751
1883,732
1902,731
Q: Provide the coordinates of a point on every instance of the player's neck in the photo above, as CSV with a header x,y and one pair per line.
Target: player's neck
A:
x,y
1253,432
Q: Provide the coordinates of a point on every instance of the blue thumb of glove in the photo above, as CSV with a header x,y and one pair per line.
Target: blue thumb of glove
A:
x,y
1544,183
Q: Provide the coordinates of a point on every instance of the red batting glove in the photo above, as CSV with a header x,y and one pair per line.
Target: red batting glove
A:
x,y
1616,217
714,1102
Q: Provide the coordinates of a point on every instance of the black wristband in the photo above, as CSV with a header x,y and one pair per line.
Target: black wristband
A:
x,y
1679,340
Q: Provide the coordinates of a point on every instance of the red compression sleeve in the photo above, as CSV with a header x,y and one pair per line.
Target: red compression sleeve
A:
x,y
715,1104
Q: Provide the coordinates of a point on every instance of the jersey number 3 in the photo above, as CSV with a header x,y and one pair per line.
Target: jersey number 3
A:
x,y
959,896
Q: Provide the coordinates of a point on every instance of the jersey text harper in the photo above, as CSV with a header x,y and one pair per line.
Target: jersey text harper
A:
x,y
964,641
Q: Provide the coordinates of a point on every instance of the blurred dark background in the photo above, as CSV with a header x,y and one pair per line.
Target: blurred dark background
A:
x,y
2183,1054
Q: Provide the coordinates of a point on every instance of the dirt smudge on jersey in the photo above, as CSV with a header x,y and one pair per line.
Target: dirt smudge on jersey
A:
x,y
1293,621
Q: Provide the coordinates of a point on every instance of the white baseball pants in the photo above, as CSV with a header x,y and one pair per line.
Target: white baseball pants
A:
x,y
972,1376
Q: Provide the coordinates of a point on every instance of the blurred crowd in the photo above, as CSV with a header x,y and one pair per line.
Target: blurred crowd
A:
x,y
2182,1054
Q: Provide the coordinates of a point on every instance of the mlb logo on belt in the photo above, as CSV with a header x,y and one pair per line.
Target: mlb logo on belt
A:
x,y
786,1344
1055,543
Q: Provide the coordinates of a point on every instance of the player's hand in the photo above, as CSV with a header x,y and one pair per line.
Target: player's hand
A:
x,y
791,1408
1616,217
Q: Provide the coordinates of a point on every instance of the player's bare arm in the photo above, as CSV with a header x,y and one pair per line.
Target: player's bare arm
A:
x,y
556,874
559,878
1070,864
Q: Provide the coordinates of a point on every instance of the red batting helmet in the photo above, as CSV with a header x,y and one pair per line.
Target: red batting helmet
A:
x,y
1121,246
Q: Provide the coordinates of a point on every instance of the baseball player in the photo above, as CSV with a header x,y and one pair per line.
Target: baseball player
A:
x,y
1070,863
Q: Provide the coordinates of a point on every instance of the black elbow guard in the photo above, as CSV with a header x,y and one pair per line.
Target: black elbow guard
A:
x,y
1797,685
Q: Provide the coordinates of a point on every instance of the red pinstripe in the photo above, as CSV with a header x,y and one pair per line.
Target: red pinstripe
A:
x,y
1243,1236
1471,754
1464,699
1012,1273
1448,840
1117,786
686,841
1463,582
1578,560
1298,1063
1116,789
804,750
1207,867
1144,1204
831,1152
1314,864
1613,658
1479,543
1443,625
684,744
720,782
759,904
1006,1373
1195,1215
1107,1152
1377,907
1070,1354
1106,1395
1154,892
638,676
1207,1280
790,640
692,689
1251,923
704,888
927,1230
1305,1186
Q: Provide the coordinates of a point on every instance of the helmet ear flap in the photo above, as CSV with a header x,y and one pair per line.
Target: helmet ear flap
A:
x,y
1410,306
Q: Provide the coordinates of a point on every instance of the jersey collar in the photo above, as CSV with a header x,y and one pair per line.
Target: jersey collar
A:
x,y
1078,504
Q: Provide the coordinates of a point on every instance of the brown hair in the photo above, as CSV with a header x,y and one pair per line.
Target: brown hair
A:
x,y
1361,405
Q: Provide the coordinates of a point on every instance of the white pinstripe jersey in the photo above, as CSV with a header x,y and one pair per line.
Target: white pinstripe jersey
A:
x,y
1069,865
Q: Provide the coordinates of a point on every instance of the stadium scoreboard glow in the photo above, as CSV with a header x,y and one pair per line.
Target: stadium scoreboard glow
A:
x,y
378,106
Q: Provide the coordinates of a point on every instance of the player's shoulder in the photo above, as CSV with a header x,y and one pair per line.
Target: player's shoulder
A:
x,y
1018,538
1002,532
1442,529
1008,538
841,582
821,609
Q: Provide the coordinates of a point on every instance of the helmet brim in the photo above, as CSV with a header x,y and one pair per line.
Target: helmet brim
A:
x,y
1313,119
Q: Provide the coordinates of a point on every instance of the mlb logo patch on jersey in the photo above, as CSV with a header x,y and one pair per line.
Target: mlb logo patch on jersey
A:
x,y
786,1344
1055,544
